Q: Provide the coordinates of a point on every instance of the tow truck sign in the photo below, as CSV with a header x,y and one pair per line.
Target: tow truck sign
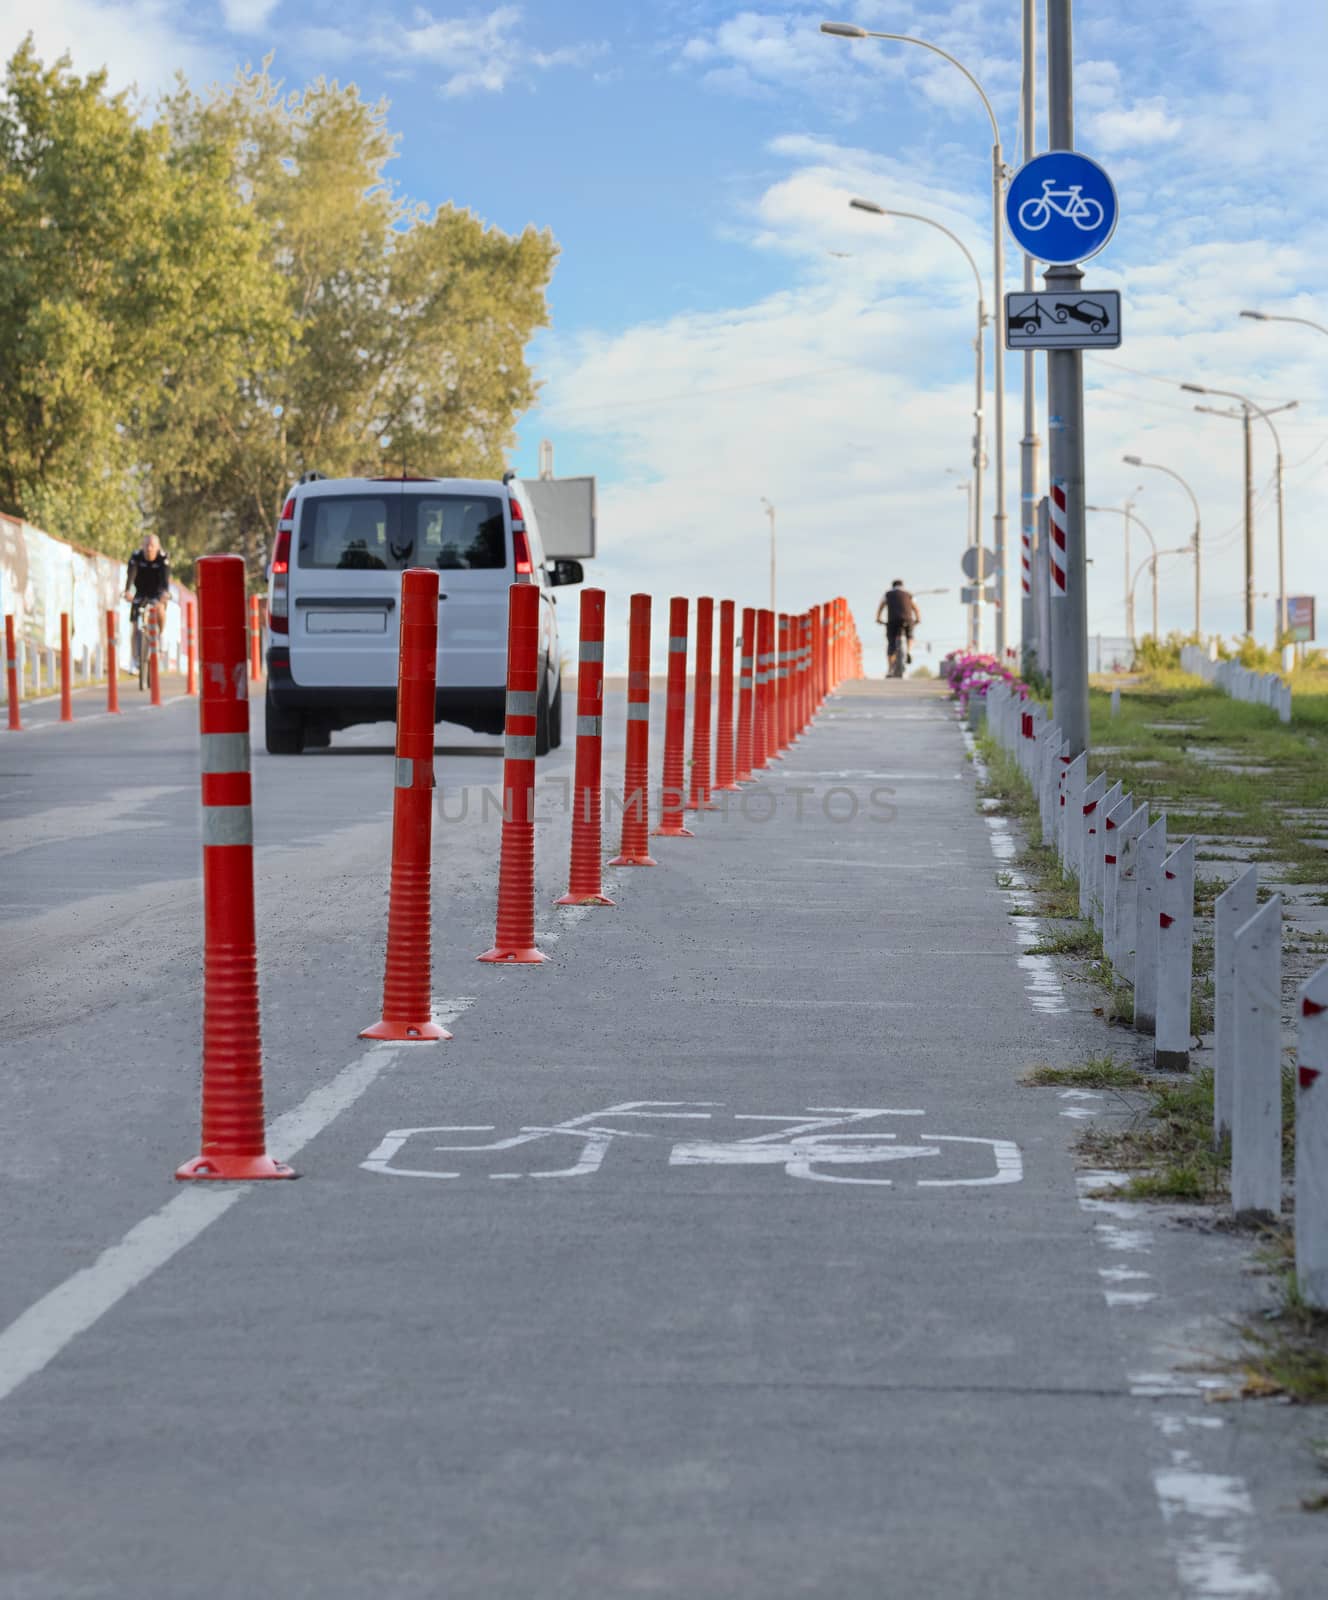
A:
x,y
1088,319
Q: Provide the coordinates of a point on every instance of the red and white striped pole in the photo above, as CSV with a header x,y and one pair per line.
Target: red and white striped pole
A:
x,y
11,675
769,711
584,885
725,753
191,648
804,671
746,679
234,1141
408,969
514,940
112,666
151,636
255,640
782,730
66,686
702,694
675,728
635,848
1057,520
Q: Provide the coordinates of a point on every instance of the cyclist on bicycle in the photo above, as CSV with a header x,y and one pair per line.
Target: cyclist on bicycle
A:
x,y
148,582
899,611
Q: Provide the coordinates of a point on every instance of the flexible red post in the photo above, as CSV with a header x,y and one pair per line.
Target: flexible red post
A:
x,y
150,637
255,640
782,683
408,971
191,648
702,694
746,680
514,939
805,703
66,686
763,728
795,677
112,667
234,1139
11,676
671,794
635,850
584,883
726,767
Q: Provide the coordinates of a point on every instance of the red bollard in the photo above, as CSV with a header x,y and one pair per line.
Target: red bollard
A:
x,y
725,753
635,849
746,679
255,640
762,744
191,647
584,886
408,973
782,683
11,676
514,940
702,692
66,701
804,671
234,1139
151,628
112,668
675,728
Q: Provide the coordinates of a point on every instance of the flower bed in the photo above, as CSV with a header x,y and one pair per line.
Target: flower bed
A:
x,y
968,673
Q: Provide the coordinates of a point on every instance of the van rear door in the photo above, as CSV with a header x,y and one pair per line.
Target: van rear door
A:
x,y
463,533
345,602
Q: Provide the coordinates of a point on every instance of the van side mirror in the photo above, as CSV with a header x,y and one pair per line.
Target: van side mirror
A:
x,y
563,571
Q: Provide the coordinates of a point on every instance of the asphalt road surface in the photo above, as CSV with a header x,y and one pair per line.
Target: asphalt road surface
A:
x,y
721,1256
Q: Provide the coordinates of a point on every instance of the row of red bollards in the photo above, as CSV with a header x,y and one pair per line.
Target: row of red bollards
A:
x,y
787,666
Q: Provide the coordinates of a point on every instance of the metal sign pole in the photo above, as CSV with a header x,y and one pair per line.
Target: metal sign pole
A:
x,y
1033,644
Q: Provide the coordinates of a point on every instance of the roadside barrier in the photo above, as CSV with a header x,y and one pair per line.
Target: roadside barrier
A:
x,y
1241,683
584,883
514,939
191,647
112,666
234,1141
408,969
634,850
725,750
675,718
702,693
66,672
11,676
1147,914
746,691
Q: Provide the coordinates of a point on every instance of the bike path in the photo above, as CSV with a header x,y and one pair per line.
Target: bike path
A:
x,y
629,1351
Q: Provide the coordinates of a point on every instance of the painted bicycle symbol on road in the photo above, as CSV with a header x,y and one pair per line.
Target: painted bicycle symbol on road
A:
x,y
1036,212
815,1144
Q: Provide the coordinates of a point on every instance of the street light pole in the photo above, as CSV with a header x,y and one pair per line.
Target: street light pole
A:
x,y
1156,466
851,30
1269,316
770,512
1028,445
1131,515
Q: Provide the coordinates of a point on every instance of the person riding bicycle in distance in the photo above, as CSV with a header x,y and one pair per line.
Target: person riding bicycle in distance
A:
x,y
899,611
148,580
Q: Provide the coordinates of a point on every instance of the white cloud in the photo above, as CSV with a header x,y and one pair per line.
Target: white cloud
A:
x,y
138,42
247,16
1145,122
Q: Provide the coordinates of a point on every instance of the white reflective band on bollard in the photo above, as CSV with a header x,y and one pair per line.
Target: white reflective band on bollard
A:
x,y
1256,1102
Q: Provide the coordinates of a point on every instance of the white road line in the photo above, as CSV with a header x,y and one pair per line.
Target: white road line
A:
x,y
34,1339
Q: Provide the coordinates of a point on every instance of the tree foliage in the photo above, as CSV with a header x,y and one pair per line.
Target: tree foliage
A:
x,y
195,311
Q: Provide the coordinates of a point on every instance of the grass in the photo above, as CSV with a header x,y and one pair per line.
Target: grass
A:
x,y
1097,1072
1290,1356
1168,1148
1079,939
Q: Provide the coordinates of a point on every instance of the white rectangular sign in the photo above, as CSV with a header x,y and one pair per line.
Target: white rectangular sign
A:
x,y
1086,320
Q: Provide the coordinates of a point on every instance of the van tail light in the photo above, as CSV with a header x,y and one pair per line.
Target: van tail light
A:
x,y
278,609
525,571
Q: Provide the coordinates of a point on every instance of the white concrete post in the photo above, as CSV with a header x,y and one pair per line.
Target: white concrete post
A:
x,y
1090,824
1048,775
1256,1102
1150,854
1125,912
1312,1140
1175,961
1072,794
1115,700
1116,818
1234,907
1098,865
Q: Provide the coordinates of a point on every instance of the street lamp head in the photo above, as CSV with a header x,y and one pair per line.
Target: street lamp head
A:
x,y
1258,316
1194,388
1133,461
844,30
859,204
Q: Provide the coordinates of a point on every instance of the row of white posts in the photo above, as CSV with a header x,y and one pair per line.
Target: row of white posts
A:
x,y
1138,889
39,667
1241,683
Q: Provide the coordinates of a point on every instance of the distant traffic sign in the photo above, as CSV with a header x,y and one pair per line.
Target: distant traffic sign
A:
x,y
971,595
1088,320
970,559
1061,207
1300,618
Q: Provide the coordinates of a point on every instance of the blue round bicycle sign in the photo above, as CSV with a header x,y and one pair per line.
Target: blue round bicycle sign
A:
x,y
1061,207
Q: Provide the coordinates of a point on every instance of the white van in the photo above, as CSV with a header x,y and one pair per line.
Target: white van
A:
x,y
334,593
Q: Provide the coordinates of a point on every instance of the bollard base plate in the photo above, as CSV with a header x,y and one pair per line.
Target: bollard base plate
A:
x,y
570,899
527,957
633,861
235,1169
406,1032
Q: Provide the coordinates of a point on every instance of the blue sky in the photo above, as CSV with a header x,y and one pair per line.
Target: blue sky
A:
x,y
724,328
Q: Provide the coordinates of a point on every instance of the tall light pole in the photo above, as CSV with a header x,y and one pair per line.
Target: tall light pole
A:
x,y
1248,409
1028,444
850,30
1271,316
873,209
1156,466
1151,561
1131,515
970,539
770,512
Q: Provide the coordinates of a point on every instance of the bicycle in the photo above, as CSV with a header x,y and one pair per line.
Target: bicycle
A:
x,y
896,654
149,636
1036,212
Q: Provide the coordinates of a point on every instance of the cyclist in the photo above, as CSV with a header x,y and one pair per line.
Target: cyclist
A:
x,y
148,583
899,611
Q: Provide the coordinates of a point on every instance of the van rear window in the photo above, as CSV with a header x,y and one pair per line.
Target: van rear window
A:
x,y
388,533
